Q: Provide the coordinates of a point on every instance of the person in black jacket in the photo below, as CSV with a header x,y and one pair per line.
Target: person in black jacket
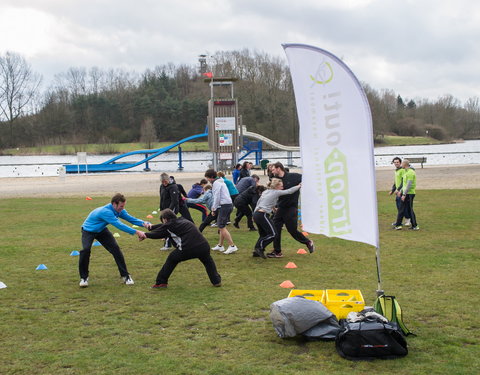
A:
x,y
287,212
189,243
245,170
245,204
169,198
169,194
182,196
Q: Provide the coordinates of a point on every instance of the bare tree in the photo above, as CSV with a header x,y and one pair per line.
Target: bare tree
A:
x,y
18,87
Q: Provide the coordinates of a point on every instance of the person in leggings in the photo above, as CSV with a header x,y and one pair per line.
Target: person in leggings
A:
x,y
262,215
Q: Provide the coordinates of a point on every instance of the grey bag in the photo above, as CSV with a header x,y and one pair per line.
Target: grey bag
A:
x,y
295,315
325,330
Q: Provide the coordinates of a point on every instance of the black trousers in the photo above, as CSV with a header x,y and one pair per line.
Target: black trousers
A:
x,y
105,237
183,210
266,229
206,222
289,217
176,256
244,210
405,209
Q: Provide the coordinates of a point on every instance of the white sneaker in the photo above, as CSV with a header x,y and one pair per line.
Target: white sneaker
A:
x,y
83,283
128,280
166,248
214,225
218,248
407,222
231,249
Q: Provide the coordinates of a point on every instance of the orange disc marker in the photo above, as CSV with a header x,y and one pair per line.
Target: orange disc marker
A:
x,y
88,198
291,265
149,217
301,251
287,284
305,234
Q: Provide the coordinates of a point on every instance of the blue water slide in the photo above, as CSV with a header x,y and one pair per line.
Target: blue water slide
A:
x,y
112,164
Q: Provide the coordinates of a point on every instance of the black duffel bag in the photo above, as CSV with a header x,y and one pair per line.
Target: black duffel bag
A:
x,y
370,339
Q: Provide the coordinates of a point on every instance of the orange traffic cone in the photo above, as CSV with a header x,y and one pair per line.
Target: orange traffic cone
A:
x,y
301,251
291,265
88,198
287,284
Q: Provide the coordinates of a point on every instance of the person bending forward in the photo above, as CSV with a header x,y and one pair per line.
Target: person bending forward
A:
x,y
189,244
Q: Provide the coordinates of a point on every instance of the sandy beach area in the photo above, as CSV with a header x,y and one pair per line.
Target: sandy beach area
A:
x,y
147,183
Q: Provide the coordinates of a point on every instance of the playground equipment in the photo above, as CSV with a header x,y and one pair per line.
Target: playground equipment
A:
x,y
113,165
227,138
257,146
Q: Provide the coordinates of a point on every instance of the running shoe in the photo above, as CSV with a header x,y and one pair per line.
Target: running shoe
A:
x,y
260,253
127,280
273,254
310,246
218,248
231,249
83,283
158,286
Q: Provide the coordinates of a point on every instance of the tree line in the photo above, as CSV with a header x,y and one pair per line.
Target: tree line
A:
x,y
169,102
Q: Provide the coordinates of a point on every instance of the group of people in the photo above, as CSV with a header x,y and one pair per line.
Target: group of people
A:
x,y
270,208
403,188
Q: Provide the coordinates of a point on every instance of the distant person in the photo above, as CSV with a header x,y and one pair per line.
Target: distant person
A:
x,y
195,192
236,173
221,208
232,190
245,204
407,195
245,170
204,200
397,187
95,228
263,211
182,205
287,212
246,182
189,244
169,198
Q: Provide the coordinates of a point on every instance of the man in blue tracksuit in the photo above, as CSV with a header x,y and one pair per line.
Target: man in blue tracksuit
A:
x,y
95,228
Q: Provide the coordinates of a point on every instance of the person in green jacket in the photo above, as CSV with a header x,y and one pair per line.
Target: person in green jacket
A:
x,y
397,187
407,194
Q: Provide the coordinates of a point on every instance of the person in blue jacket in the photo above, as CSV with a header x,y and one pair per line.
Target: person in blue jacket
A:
x,y
236,173
95,228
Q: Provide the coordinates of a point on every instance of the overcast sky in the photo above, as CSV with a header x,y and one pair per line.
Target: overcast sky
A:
x,y
419,49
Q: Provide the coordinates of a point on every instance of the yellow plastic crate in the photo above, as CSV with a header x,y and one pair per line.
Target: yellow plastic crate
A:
x,y
316,295
342,301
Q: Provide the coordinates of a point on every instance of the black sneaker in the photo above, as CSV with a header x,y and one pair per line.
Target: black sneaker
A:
x,y
273,254
260,253
310,246
235,224
252,229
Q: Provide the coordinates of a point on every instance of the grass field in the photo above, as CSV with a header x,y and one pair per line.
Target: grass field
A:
x,y
51,326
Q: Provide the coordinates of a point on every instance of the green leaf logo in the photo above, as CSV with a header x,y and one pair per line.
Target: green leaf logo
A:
x,y
324,74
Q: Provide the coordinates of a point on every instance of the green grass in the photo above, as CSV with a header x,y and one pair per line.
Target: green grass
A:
x,y
51,326
396,140
110,148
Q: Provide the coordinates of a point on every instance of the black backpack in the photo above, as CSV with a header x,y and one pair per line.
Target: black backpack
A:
x,y
370,339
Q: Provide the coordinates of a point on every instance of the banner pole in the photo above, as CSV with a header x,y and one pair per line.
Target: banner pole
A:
x,y
380,291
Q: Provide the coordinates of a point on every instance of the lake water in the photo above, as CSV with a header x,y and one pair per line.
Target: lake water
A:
x,y
46,165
